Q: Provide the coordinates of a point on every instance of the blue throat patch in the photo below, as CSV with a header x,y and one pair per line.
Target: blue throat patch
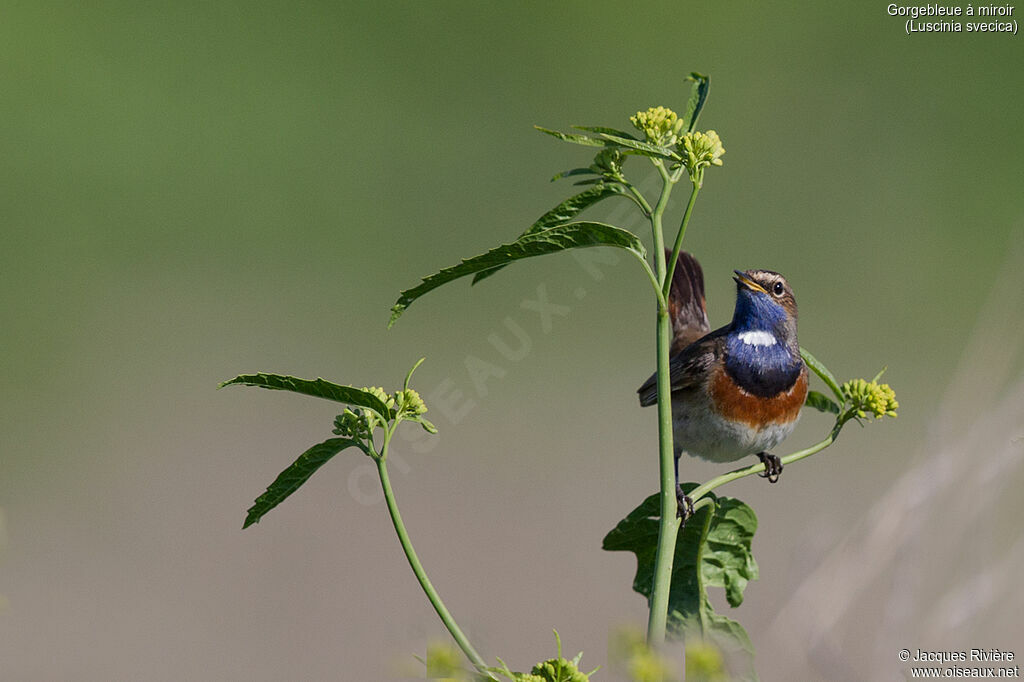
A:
x,y
757,312
763,370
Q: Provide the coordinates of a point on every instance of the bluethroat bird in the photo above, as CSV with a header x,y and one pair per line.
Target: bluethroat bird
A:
x,y
738,390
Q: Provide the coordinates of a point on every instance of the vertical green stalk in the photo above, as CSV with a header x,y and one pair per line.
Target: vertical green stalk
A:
x,y
417,567
667,285
656,215
668,526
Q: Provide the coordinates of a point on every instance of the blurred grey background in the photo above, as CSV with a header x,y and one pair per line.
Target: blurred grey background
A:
x,y
189,191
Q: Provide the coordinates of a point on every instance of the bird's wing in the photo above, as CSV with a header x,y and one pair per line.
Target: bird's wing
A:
x,y
688,368
686,305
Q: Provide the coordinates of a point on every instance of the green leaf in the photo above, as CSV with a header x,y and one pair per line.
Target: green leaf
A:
x,y
609,131
585,140
698,96
563,213
318,388
713,550
821,402
292,478
572,172
645,148
550,240
822,371
426,424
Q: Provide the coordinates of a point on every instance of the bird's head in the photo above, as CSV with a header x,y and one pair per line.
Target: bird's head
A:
x,y
765,308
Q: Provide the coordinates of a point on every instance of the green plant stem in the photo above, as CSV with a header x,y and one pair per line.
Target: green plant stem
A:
x,y
702,490
662,301
656,215
679,240
639,198
668,526
417,567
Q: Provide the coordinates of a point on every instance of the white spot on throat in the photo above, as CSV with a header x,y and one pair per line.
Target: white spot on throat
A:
x,y
758,338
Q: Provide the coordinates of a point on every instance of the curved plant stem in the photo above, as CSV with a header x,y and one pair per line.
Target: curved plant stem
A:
x,y
702,490
662,301
638,198
417,568
668,526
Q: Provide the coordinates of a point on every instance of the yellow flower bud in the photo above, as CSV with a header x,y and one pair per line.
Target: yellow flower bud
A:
x,y
702,149
871,397
660,125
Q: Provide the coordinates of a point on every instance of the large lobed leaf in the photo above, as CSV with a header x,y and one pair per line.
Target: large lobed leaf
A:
x,y
549,240
318,388
563,213
713,549
292,478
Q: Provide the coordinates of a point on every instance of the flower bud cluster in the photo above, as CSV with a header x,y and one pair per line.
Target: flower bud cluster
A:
x,y
871,397
351,425
555,670
359,424
701,150
660,125
608,164
696,150
379,393
410,403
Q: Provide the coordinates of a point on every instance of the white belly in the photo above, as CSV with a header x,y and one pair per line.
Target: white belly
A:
x,y
700,432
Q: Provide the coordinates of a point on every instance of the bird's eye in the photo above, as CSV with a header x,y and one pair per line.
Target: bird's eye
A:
x,y
778,289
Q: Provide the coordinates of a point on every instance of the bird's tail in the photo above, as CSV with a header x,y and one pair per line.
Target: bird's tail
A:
x,y
686,305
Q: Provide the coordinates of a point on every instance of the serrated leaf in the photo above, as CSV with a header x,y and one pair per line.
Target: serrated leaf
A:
x,y
728,561
822,371
609,131
563,213
698,96
713,549
292,478
551,240
645,148
318,388
821,402
584,140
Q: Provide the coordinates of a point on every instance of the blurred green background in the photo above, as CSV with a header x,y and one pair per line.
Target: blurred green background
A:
x,y
197,190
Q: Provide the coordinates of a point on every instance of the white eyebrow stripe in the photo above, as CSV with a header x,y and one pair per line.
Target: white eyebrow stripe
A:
x,y
758,338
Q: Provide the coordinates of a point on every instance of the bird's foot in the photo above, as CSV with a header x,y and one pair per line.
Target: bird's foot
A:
x,y
684,505
772,466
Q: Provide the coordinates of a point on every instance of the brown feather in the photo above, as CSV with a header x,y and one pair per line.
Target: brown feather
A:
x,y
686,305
687,368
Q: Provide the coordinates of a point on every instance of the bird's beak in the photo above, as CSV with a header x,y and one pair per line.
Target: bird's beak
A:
x,y
742,278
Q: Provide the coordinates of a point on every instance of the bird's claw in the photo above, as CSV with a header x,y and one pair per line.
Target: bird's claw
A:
x,y
772,466
684,505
